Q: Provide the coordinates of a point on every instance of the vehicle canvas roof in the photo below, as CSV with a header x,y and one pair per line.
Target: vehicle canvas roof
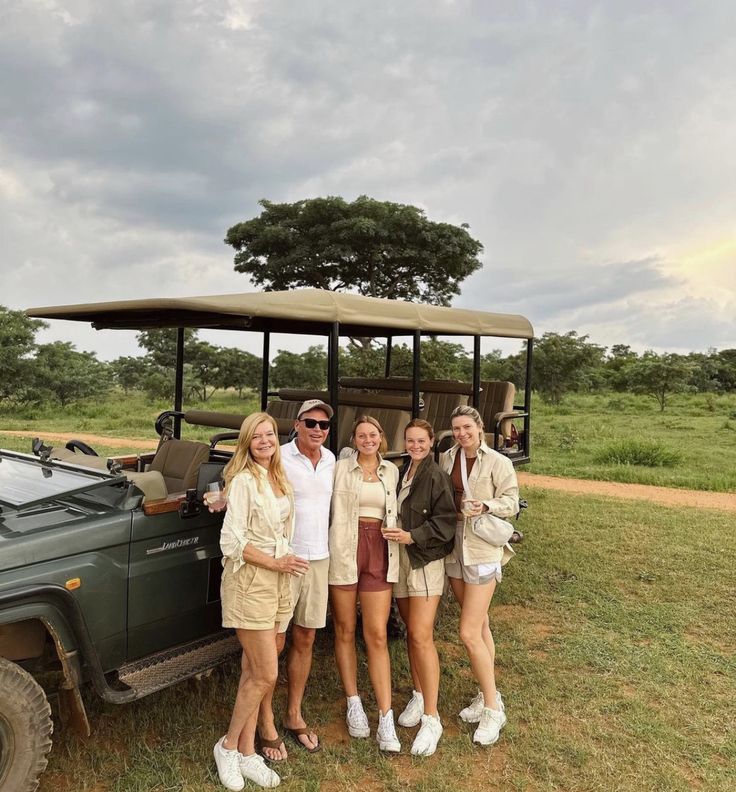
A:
x,y
296,311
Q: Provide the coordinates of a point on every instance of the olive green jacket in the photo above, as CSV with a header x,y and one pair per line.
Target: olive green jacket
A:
x,y
428,514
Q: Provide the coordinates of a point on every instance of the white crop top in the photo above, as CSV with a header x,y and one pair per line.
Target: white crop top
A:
x,y
372,501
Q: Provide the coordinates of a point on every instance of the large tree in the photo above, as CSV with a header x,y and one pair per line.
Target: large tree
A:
x,y
374,248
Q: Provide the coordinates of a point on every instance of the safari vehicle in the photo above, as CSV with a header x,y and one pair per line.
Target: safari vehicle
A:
x,y
110,569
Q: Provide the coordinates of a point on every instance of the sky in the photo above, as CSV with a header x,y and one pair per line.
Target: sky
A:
x,y
590,146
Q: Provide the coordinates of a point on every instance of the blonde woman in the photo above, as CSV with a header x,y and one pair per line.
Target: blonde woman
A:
x,y
483,481
255,587
364,566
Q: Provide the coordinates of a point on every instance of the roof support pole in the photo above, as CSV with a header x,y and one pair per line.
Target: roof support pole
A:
x,y
333,373
266,362
387,370
476,371
528,395
416,373
179,380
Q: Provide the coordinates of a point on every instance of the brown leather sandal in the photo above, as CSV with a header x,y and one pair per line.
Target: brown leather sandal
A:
x,y
277,744
295,734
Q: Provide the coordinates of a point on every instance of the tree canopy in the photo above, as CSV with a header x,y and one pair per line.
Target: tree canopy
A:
x,y
375,248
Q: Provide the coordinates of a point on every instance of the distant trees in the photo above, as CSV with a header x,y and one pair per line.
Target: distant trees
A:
x,y
17,344
658,375
563,363
35,373
64,375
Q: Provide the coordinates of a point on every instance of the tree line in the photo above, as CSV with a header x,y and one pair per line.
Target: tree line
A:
x,y
56,372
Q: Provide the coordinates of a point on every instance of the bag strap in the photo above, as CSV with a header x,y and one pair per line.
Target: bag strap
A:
x,y
464,475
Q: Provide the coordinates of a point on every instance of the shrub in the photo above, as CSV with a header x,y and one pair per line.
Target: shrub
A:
x,y
647,453
567,439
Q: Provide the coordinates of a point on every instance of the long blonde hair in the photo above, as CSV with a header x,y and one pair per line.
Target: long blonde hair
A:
x,y
242,459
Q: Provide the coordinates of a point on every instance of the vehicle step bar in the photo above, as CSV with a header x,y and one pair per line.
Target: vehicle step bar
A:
x,y
156,672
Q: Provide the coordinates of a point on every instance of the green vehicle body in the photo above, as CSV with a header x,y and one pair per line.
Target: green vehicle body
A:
x,y
147,582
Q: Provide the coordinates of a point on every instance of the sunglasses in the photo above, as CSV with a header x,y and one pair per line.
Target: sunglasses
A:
x,y
311,423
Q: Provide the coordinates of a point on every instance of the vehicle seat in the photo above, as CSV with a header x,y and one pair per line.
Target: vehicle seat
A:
x,y
151,484
178,462
496,402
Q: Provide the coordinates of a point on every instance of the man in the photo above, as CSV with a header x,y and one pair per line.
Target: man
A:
x,y
310,468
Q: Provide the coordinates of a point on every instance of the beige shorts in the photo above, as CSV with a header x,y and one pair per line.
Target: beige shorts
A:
x,y
254,598
309,597
427,581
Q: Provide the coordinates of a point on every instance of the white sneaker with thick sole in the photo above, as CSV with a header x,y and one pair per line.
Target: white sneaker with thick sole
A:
x,y
228,766
425,743
471,713
386,733
489,728
356,718
414,710
255,769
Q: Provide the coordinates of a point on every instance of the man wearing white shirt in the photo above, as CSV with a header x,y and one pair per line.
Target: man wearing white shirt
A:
x,y
310,467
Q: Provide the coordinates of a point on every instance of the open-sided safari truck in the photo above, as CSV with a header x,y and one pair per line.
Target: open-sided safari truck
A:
x,y
110,569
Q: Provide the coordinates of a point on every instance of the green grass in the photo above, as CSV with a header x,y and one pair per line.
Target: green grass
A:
x,y
571,439
645,453
616,644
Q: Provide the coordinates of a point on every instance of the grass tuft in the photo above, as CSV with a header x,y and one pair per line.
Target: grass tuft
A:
x,y
648,453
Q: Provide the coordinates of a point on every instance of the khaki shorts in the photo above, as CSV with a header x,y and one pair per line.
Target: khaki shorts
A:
x,y
427,581
309,597
254,598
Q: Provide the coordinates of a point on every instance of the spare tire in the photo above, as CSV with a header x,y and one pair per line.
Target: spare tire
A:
x,y
25,729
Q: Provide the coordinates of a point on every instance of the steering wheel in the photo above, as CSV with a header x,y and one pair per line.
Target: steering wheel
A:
x,y
78,445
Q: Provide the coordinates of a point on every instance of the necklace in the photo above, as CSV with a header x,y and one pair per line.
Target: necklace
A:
x,y
369,475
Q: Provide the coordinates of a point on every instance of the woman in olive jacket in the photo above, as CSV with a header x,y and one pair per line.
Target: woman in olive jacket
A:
x,y
425,535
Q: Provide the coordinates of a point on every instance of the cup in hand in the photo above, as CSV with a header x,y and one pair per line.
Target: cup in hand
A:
x,y
470,507
214,496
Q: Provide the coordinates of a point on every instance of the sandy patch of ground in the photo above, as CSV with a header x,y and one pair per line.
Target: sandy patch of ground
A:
x,y
695,499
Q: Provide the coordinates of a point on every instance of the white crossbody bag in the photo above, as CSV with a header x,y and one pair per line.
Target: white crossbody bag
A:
x,y
486,526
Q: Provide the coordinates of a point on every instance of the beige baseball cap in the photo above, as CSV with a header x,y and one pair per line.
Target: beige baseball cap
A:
x,y
315,404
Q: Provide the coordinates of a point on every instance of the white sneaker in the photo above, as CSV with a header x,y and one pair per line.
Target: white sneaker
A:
x,y
471,713
491,723
255,769
414,710
228,766
425,743
356,718
386,733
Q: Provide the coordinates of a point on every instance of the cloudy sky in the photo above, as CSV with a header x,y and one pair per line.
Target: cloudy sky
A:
x,y
590,146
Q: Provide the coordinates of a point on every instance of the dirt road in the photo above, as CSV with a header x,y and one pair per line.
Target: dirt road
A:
x,y
667,496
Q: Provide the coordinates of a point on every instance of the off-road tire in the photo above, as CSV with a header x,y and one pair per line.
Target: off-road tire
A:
x,y
25,729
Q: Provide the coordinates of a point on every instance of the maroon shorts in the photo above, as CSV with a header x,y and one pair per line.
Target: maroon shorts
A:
x,y
372,559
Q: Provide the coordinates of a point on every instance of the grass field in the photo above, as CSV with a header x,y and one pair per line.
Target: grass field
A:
x,y
616,649
567,439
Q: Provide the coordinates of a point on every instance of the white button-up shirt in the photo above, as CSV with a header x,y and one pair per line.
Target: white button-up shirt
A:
x,y
312,496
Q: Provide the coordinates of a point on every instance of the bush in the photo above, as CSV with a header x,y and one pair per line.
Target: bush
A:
x,y
647,453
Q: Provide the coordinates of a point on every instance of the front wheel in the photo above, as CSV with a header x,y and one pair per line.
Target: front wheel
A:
x,y
25,729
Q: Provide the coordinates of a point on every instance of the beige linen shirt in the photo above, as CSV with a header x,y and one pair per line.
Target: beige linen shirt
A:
x,y
493,482
344,521
254,517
